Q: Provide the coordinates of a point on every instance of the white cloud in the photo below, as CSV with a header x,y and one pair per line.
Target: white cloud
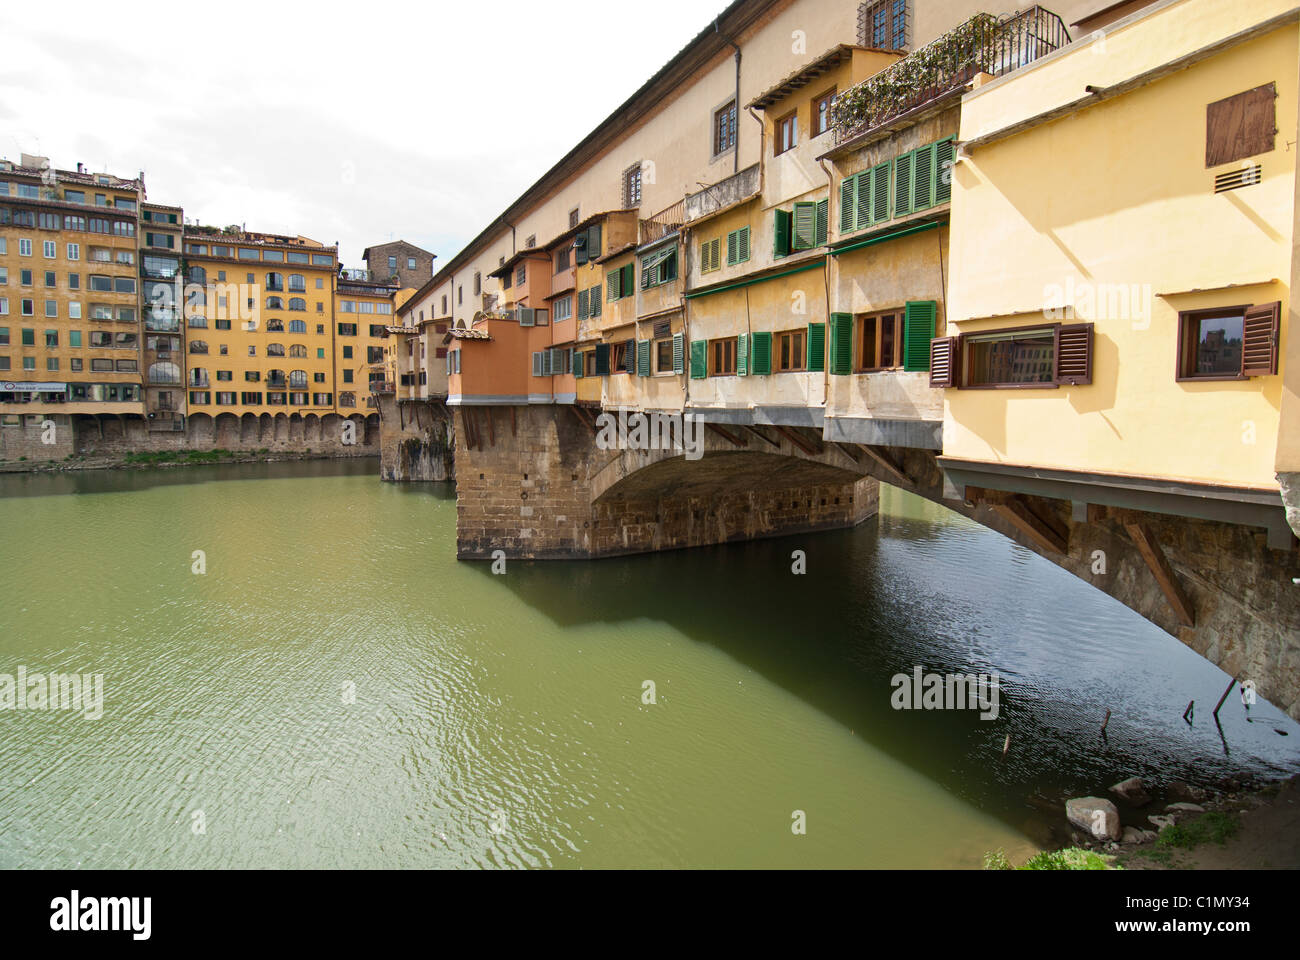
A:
x,y
357,124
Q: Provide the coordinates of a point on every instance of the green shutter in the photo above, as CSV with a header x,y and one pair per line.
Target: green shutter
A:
x,y
595,302
576,361
593,242
841,344
918,331
761,347
781,233
742,355
903,185
742,243
923,178
816,346
643,358
804,233
602,359
612,284
699,359
823,221
732,249
848,203
627,285
863,217
629,356
880,192
583,299
943,171
679,353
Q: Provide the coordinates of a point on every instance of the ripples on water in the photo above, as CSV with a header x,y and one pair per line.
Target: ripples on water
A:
x,y
498,720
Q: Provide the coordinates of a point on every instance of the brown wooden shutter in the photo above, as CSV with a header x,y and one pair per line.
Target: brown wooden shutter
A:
x,y
1241,126
1259,340
1074,353
945,355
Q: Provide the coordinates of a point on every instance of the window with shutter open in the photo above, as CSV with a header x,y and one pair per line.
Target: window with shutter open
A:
x,y
918,331
944,355
1259,341
816,346
1228,343
803,234
1074,354
841,337
699,359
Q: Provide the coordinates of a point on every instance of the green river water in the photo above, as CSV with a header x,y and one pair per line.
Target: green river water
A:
x,y
336,690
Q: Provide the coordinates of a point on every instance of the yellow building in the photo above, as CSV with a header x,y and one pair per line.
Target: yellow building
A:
x,y
364,312
260,324
1120,267
69,293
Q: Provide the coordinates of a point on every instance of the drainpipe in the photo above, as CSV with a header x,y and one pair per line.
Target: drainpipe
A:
x,y
762,145
826,275
735,154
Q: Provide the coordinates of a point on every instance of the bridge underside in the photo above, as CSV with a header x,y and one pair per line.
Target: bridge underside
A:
x,y
533,482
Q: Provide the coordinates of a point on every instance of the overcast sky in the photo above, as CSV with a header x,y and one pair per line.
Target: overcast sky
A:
x,y
358,125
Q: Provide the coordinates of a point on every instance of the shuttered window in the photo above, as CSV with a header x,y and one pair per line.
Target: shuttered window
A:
x,y
699,359
1241,126
1074,354
760,353
643,358
737,246
841,336
1259,343
1229,343
621,282
816,346
944,354
803,235
823,222
659,267
918,331
629,356
602,359
584,298
923,177
742,355
679,353
579,363
864,198
711,254
593,302
782,227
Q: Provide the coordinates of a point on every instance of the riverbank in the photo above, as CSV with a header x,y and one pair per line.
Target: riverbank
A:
x,y
172,458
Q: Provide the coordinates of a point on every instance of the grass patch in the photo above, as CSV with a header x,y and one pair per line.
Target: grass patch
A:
x,y
1213,827
149,458
1071,858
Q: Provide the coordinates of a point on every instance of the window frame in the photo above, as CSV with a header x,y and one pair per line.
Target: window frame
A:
x,y
1185,344
779,126
730,346
859,339
827,98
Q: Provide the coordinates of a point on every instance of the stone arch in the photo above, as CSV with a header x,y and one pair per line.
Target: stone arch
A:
x,y
311,428
202,430
372,429
296,428
227,431
247,429
281,428
265,429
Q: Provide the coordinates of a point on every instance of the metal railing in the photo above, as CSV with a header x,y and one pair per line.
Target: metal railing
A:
x,y
666,221
983,44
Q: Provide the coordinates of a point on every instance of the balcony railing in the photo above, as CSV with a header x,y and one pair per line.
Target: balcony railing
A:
x,y
983,44
383,386
663,223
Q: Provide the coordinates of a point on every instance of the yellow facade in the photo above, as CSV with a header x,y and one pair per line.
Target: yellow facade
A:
x,y
1109,209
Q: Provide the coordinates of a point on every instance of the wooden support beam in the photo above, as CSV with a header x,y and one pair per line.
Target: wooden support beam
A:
x,y
512,420
722,432
1145,540
848,451
762,436
800,442
492,434
886,463
1046,534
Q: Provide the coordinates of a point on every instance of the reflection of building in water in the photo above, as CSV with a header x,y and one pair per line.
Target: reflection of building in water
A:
x,y
1020,361
1217,354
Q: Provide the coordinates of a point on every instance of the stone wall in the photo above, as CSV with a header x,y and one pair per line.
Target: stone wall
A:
x,y
37,437
532,482
415,440
287,433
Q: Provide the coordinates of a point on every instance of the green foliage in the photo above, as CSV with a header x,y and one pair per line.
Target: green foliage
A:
x,y
1071,858
1213,827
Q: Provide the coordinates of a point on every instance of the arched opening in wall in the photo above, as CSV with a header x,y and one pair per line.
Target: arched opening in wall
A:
x,y
202,431
372,429
227,427
247,429
295,428
311,428
281,428
331,426
265,429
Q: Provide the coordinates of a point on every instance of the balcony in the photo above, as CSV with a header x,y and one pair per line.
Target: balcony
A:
x,y
663,223
725,193
276,383
983,44
198,383
383,386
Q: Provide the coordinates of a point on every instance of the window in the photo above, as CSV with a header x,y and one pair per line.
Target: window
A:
x,y
298,303
225,375
50,249
521,274
922,179
51,308
51,278
659,267
724,128
620,282
737,246
74,338
632,186
787,133
883,24
74,310
410,263
297,283
562,259
24,248
74,251
1010,358
790,354
392,263
722,357
347,329
562,309
574,218
664,356
710,255
101,283
821,115
51,338
880,344
1228,344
